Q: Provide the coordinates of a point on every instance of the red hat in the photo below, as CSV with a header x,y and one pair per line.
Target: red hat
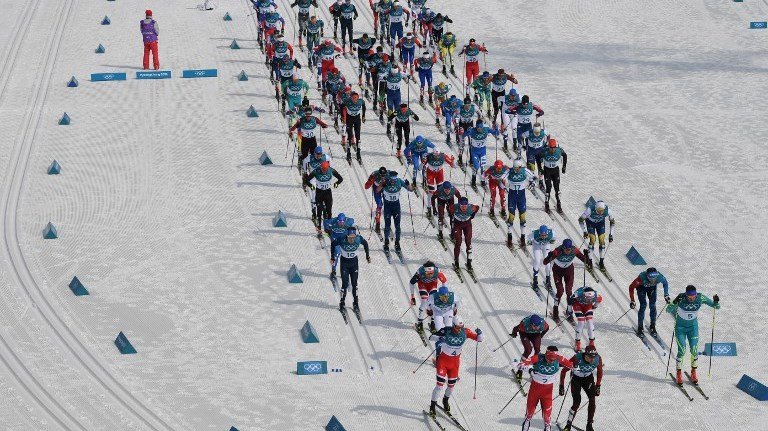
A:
x,y
148,12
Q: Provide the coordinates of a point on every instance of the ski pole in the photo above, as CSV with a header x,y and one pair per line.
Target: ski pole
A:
x,y
406,311
425,360
370,221
712,342
625,313
474,394
502,345
513,397
669,355
482,202
563,403
546,310
413,228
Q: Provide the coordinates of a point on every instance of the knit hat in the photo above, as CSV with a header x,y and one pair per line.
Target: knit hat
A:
x,y
148,12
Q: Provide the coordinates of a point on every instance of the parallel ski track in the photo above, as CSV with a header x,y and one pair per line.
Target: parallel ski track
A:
x,y
21,271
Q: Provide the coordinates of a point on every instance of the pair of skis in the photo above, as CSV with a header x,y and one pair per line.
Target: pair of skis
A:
x,y
695,385
450,417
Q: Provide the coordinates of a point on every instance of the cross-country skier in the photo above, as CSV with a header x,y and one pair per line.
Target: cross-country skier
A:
x,y
353,114
585,366
685,307
393,81
462,226
531,330
543,370
303,15
323,177
450,109
425,18
562,257
315,30
584,301
645,284
471,53
541,239
397,16
407,45
428,278
391,193
149,32
402,119
477,149
347,15
526,112
509,120
551,159
482,89
441,95
433,165
447,46
307,127
444,199
534,151
311,163
517,181
442,306
448,361
382,9
334,82
495,176
364,45
270,22
326,52
335,10
346,250
499,89
466,117
376,182
382,72
417,151
336,229
592,223
424,66
438,24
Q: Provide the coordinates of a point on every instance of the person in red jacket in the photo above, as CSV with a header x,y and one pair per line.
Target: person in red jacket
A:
x,y
543,371
495,176
585,366
149,32
563,269
428,278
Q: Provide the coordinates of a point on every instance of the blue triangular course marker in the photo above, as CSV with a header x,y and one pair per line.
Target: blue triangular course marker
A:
x,y
234,44
100,49
242,76
334,425
50,231
65,120
279,220
73,82
753,387
106,21
634,257
123,345
227,17
77,287
264,158
308,333
294,276
591,202
251,112
54,169
233,429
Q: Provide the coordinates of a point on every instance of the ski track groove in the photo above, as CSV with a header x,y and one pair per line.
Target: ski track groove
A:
x,y
21,271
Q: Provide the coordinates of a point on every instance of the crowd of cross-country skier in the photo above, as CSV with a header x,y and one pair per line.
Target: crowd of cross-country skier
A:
x,y
413,44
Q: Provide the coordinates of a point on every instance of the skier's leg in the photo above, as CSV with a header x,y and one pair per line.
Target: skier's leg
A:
x,y
680,336
468,238
345,275
641,292
457,241
693,341
652,305
536,340
353,272
387,221
527,345
397,222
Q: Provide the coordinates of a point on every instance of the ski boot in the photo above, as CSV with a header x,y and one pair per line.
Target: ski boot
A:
x,y
389,129
377,228
440,232
430,99
341,305
432,407
548,282
491,213
399,153
503,213
473,181
386,244
452,70
567,427
469,264
357,153
421,98
541,184
429,212
456,263
639,332
601,264
652,330
420,326
578,346
522,240
559,208
397,246
444,70
509,240
547,427
355,304
592,342
546,206
679,378
437,122
694,377
446,406
314,216
519,375
461,161
535,282
349,155
482,182
589,427
526,424
556,312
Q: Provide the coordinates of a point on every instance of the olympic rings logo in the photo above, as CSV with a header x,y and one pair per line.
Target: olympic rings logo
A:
x,y
721,349
752,387
200,73
313,367
109,77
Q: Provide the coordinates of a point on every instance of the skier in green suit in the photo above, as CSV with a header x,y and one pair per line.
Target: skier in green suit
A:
x,y
686,308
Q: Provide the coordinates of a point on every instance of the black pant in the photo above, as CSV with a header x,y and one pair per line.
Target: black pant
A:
x,y
437,35
303,20
588,384
346,29
324,204
403,131
552,178
349,269
495,95
353,129
307,146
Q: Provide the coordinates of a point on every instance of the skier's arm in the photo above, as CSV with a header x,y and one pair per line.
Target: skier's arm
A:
x,y
564,371
475,336
415,117
414,280
365,247
369,183
665,284
517,329
339,179
712,303
599,372
565,159
308,178
157,29
580,255
634,285
390,117
295,126
546,329
550,257
321,123
539,111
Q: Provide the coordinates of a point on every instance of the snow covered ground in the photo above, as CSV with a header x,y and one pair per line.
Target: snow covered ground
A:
x,y
164,213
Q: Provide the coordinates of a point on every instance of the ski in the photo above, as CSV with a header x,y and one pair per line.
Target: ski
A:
x,y
356,310
645,341
659,340
458,272
680,387
525,250
537,291
343,312
471,272
321,238
441,239
400,256
434,419
422,335
696,385
519,383
452,418
439,128
591,271
606,274
389,256
494,220
335,284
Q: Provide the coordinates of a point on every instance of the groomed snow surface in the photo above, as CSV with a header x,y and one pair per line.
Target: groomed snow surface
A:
x,y
164,213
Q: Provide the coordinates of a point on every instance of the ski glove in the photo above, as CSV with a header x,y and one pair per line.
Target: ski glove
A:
x,y
586,235
368,258
413,300
666,298
597,390
335,185
610,238
563,169
715,299
562,390
632,305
